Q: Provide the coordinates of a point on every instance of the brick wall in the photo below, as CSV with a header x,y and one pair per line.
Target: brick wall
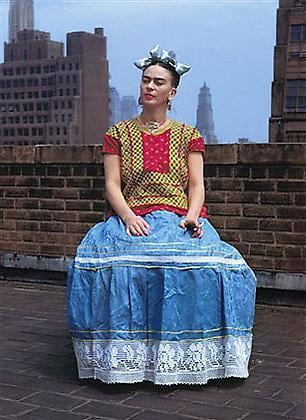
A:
x,y
256,194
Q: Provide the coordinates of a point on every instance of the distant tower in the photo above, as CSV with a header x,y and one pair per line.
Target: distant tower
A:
x,y
21,16
114,106
128,107
205,123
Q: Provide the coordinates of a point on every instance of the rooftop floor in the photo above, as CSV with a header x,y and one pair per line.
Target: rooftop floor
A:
x,y
38,374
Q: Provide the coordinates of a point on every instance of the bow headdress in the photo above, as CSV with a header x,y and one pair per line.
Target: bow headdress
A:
x,y
164,56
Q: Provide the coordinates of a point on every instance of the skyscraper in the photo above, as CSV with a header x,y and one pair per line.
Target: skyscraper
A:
x,y
21,16
287,123
128,107
47,97
205,122
114,106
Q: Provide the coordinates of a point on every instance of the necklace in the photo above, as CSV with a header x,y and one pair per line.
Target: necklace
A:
x,y
151,125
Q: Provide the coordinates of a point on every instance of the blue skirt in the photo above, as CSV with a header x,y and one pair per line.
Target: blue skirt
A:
x,y
166,308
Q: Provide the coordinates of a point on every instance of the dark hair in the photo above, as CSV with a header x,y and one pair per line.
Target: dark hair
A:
x,y
174,75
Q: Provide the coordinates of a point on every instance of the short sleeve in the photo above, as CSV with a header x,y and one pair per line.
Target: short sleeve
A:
x,y
196,142
111,142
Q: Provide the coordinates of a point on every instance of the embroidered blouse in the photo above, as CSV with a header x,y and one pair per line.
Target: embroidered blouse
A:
x,y
154,167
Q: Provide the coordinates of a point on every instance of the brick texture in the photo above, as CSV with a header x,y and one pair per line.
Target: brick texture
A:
x,y
255,197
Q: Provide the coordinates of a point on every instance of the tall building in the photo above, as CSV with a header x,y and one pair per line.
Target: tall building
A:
x,y
21,16
288,109
205,123
114,106
49,98
128,107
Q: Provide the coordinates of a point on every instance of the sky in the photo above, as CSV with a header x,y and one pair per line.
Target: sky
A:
x,y
229,45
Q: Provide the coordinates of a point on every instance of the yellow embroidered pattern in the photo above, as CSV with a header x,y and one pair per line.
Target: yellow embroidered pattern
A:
x,y
143,188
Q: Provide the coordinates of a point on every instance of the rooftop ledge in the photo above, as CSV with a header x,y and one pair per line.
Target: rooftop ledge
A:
x,y
226,154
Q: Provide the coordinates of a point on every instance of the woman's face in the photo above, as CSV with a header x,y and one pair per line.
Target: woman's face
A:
x,y
156,86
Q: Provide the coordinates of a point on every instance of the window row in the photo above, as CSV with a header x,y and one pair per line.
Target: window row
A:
x,y
33,142
52,68
37,106
42,94
30,119
297,33
45,81
34,131
296,95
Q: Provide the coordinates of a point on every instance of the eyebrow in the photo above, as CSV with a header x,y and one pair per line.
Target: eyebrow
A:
x,y
155,78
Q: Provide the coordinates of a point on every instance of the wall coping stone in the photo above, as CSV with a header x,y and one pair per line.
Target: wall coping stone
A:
x,y
225,154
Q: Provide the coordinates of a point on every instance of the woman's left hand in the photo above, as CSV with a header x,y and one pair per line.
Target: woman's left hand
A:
x,y
193,226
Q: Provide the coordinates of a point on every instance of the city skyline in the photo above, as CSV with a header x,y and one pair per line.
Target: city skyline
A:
x,y
238,39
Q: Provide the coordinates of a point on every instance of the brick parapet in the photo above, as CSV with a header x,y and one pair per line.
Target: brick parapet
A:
x,y
256,194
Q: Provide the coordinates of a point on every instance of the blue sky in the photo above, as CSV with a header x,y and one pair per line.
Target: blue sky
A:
x,y
229,45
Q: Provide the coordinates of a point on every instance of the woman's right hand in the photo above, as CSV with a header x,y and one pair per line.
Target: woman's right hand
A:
x,y
136,226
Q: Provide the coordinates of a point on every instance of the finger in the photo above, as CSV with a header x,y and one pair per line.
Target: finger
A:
x,y
127,230
144,228
182,224
138,229
133,231
146,224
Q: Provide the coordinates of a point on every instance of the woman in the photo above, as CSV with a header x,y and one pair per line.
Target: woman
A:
x,y
154,294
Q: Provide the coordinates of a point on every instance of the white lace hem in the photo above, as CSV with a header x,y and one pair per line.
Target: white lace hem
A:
x,y
164,363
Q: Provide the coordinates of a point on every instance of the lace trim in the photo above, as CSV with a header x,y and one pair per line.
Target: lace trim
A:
x,y
163,362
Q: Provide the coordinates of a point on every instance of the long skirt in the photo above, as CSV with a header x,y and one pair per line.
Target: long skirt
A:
x,y
166,308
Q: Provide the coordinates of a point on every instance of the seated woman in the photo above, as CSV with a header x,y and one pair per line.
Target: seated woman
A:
x,y
153,293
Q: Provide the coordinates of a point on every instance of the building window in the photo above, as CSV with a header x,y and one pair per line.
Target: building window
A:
x,y
31,119
38,106
25,120
34,131
75,92
67,79
45,118
16,95
40,131
63,104
12,132
46,69
77,66
57,131
51,131
296,95
25,131
63,117
17,120
69,104
39,119
297,33
68,92
70,66
18,70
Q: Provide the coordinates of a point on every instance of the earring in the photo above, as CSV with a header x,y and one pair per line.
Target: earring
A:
x,y
139,101
169,105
